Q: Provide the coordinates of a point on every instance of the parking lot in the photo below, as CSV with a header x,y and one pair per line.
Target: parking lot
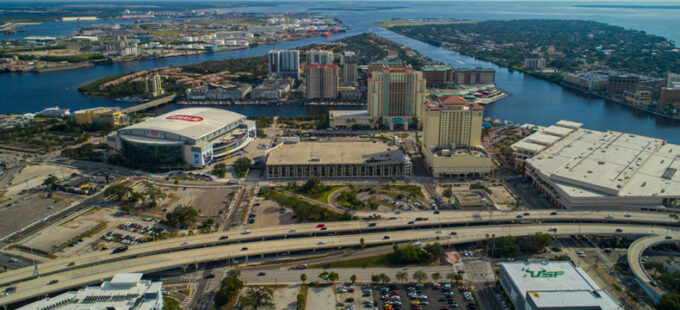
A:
x,y
404,296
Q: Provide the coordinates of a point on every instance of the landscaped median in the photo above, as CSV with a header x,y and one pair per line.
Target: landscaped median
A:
x,y
305,211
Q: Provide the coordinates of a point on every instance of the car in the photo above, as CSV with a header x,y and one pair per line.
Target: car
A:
x,y
461,271
519,216
70,264
244,249
371,224
386,237
321,242
349,299
669,237
261,274
609,217
618,230
184,243
527,213
627,215
411,223
245,232
52,282
436,212
553,213
13,260
320,225
210,276
453,233
223,238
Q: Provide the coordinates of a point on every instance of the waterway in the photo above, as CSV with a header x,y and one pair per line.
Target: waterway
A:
x,y
531,100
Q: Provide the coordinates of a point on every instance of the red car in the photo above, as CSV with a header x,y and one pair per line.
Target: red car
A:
x,y
395,293
350,290
461,271
349,299
320,225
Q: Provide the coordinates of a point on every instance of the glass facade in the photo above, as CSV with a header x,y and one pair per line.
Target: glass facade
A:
x,y
153,155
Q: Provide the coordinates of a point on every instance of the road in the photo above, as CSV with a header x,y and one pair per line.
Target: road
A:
x,y
152,263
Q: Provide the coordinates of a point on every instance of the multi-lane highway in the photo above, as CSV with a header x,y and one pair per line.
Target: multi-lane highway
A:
x,y
271,241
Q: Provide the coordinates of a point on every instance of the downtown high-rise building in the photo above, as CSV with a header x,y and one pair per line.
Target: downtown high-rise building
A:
x,y
452,122
284,63
396,95
319,57
350,68
321,81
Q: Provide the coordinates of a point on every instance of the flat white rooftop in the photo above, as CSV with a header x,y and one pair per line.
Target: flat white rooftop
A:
x,y
558,131
542,138
323,153
348,113
556,284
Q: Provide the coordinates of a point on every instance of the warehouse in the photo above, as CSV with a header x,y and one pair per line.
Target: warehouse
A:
x,y
337,160
191,137
543,284
581,168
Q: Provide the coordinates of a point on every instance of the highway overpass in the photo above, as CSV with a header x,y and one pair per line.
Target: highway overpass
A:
x,y
271,241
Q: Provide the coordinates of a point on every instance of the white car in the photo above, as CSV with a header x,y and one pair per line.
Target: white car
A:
x,y
627,215
321,242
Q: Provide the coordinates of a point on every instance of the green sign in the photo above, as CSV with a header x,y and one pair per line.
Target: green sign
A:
x,y
544,274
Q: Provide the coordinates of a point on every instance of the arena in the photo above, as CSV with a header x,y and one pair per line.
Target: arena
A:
x,y
192,137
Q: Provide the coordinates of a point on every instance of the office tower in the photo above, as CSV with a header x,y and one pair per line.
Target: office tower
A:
x,y
319,57
154,86
349,69
396,95
284,63
321,81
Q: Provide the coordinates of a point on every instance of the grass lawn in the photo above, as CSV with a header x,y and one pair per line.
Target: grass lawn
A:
x,y
364,262
411,189
170,303
322,196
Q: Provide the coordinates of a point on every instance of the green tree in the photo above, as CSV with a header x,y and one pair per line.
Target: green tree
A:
x,y
384,279
229,289
50,181
402,276
353,278
458,277
375,278
257,298
670,301
118,191
301,302
451,276
219,170
242,165
154,194
183,215
448,193
333,276
420,276
324,276
362,243
303,278
436,276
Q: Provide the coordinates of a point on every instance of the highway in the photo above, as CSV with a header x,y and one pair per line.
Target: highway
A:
x,y
635,253
401,221
168,254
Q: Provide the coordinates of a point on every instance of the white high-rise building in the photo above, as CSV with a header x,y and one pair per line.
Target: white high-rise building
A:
x,y
284,63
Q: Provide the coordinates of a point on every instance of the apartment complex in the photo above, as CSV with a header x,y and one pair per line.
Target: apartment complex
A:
x,y
284,63
350,68
452,132
587,82
319,57
534,63
154,86
473,76
437,75
396,95
669,97
640,97
218,92
618,82
321,81
271,89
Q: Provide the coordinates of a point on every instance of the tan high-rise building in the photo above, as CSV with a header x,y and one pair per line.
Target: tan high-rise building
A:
x,y
452,122
452,138
396,95
154,86
321,81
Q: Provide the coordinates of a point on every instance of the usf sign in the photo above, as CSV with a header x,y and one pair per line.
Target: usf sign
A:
x,y
544,273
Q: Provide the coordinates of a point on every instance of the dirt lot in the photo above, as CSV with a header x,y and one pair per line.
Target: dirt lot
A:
x,y
35,175
208,201
470,199
320,297
285,298
269,213
501,196
31,208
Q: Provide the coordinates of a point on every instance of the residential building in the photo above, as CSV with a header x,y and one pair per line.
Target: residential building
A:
x,y
218,92
437,75
582,168
618,83
350,93
284,63
321,81
272,89
337,160
534,63
640,97
380,64
123,291
452,133
101,115
154,86
669,97
350,68
548,285
396,95
587,82
672,78
473,76
319,57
